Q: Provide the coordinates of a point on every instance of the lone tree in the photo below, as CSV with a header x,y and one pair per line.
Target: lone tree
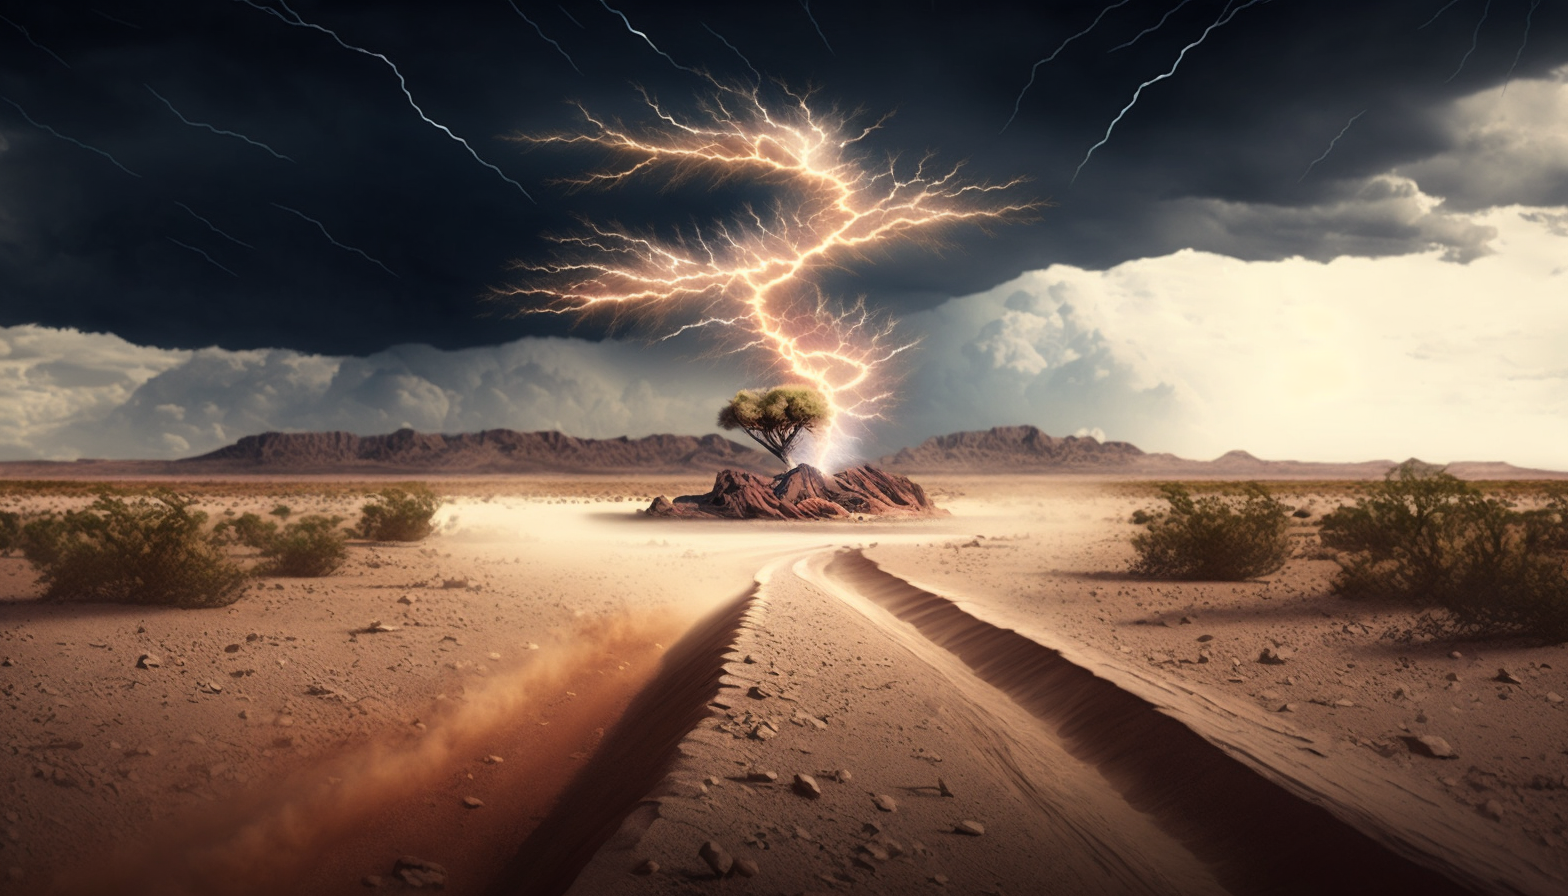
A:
x,y
776,418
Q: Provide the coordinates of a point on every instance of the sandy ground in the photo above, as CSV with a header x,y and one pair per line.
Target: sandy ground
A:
x,y
1103,744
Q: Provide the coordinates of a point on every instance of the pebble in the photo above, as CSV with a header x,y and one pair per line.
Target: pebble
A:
x,y
746,868
756,692
1506,677
648,866
942,787
371,880
1204,639
1275,656
1286,707
1434,746
885,802
473,802
493,760
148,661
1553,697
1492,809
418,873
972,828
717,858
1455,655
763,777
807,786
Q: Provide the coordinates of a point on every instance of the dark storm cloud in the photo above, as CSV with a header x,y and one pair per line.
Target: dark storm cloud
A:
x,y
1211,158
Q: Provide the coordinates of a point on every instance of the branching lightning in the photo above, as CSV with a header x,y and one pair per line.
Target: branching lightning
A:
x,y
645,37
215,130
1057,52
117,21
1475,38
1152,28
1439,14
56,133
570,16
1224,18
203,255
294,19
737,52
547,38
1331,145
751,277
806,5
34,42
323,228
213,227
1528,16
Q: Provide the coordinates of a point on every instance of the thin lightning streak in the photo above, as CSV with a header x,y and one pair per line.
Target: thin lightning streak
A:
x,y
570,16
69,139
1475,38
646,38
546,37
213,227
203,255
117,21
301,23
202,124
323,229
1330,145
1035,70
751,278
36,43
736,51
1527,17
1224,18
806,5
1155,27
1439,13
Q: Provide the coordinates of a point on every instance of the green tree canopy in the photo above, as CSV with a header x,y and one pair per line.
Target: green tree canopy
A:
x,y
776,417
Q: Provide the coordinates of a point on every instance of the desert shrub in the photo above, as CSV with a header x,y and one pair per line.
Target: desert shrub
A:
x,y
312,545
151,550
1225,537
398,514
282,511
249,530
1428,539
10,531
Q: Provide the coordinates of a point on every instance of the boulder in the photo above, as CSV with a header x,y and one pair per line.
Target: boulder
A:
x,y
803,493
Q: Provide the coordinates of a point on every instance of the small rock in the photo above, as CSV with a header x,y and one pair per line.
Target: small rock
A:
x,y
843,776
972,828
885,802
378,627
1506,677
1204,639
493,760
418,873
1431,745
1455,655
762,777
371,880
756,692
648,866
406,599
1275,656
942,787
746,868
148,661
1286,707
939,879
1343,702
807,786
1188,620
1452,676
720,861
1492,809
1553,697
472,802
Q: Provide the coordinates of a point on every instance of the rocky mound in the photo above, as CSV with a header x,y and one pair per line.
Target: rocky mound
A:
x,y
803,494
490,451
1013,448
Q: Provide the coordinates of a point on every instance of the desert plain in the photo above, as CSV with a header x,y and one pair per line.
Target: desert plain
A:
x,y
556,693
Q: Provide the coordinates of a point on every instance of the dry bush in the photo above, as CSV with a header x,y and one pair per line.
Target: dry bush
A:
x,y
1222,537
312,545
399,514
151,550
10,531
1428,539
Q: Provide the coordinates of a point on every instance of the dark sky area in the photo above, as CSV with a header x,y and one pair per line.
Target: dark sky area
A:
x,y
119,245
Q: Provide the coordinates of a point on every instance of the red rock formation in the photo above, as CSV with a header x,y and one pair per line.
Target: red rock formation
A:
x,y
803,493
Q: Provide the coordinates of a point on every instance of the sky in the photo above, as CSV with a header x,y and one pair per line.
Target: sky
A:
x,y
1313,230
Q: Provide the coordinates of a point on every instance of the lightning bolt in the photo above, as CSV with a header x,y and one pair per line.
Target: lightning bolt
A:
x,y
35,43
56,133
1331,144
1439,14
323,228
1155,27
646,38
806,5
213,227
298,22
1475,38
546,37
570,16
117,21
1224,19
751,277
1527,17
1033,71
736,51
215,130
203,255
